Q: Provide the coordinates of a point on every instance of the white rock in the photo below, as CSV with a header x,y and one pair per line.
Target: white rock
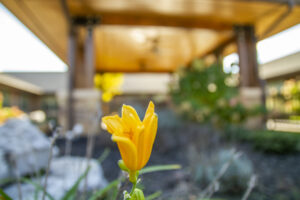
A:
x,y
64,173
23,148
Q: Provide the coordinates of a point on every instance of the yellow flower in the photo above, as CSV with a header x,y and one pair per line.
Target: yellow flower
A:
x,y
110,84
134,137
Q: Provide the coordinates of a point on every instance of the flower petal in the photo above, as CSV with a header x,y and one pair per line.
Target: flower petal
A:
x,y
131,118
114,124
146,141
127,150
149,113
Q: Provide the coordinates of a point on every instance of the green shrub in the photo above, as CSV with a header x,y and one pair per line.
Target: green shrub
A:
x,y
265,140
206,94
236,133
275,142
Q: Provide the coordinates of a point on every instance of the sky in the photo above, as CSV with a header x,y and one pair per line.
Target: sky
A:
x,y
21,50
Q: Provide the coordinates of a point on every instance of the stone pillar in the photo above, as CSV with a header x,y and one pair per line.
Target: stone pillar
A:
x,y
86,107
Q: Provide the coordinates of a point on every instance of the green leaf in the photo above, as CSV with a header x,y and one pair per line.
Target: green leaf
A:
x,y
104,155
156,168
113,193
72,191
37,187
35,196
4,196
154,195
7,181
101,192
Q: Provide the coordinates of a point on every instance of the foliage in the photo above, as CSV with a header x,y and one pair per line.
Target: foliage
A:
x,y
159,168
38,188
100,193
284,97
236,133
154,195
207,94
265,140
71,193
275,142
4,196
290,194
112,188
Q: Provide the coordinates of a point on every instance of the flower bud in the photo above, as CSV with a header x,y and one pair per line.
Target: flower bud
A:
x,y
137,195
123,166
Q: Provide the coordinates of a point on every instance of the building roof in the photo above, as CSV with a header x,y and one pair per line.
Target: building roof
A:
x,y
20,84
153,36
285,67
48,82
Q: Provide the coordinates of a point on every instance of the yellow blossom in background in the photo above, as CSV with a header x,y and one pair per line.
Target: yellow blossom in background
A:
x,y
110,84
134,137
9,112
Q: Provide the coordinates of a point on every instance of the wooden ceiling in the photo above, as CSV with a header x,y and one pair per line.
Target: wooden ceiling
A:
x,y
152,35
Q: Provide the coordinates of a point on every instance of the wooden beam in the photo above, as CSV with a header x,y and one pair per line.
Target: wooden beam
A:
x,y
219,49
276,1
139,19
159,71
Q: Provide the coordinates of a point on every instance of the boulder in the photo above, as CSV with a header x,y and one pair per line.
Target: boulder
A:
x,y
24,149
64,172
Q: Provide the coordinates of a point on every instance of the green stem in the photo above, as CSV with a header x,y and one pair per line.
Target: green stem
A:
x,y
133,178
133,188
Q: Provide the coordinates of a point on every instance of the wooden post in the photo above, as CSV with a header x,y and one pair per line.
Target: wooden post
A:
x,y
72,51
89,59
84,70
252,88
81,69
246,43
85,98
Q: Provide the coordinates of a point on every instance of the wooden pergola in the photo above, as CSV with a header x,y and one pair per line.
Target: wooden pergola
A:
x,y
152,35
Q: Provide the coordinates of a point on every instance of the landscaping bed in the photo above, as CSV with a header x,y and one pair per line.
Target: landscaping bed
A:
x,y
186,144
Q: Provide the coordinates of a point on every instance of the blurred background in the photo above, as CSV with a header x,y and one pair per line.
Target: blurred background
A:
x,y
224,76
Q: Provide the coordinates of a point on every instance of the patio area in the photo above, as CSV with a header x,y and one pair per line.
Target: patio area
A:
x,y
181,100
